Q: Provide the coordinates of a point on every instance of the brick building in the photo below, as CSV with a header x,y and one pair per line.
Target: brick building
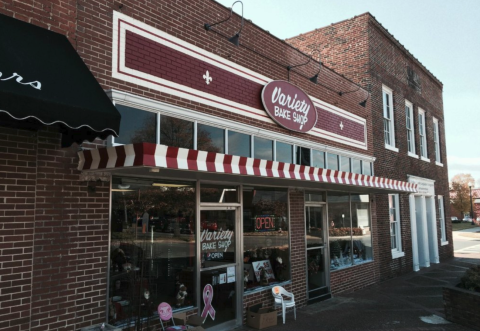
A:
x,y
237,167
409,136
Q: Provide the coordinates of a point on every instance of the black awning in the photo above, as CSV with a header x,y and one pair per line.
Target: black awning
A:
x,y
43,81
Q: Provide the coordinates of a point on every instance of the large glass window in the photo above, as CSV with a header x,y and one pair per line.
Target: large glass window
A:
x,y
136,126
318,159
210,139
284,152
263,148
152,250
350,237
344,163
302,156
356,166
332,161
239,144
367,168
219,193
176,132
266,257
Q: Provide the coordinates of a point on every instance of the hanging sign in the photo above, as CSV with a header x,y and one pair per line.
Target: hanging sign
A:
x,y
289,106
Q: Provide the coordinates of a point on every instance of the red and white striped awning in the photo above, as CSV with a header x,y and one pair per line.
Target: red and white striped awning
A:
x,y
161,156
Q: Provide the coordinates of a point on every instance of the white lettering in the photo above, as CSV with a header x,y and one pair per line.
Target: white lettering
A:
x,y
282,113
292,104
35,84
214,239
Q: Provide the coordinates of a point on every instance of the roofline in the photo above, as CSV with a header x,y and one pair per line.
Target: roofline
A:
x,y
387,34
403,48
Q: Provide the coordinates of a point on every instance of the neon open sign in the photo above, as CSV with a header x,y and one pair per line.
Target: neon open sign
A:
x,y
264,223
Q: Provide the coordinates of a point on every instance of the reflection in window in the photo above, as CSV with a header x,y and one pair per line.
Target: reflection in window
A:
x,y
367,168
356,166
263,148
302,156
345,163
218,193
284,152
315,197
176,132
136,126
266,254
332,161
152,248
210,139
349,235
239,144
318,159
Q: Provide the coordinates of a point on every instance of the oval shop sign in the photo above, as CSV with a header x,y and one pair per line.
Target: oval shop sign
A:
x,y
289,106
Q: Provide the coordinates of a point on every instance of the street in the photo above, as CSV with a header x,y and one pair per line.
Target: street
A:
x,y
466,243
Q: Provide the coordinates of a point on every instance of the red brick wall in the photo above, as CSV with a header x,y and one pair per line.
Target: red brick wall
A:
x,y
362,50
54,234
461,306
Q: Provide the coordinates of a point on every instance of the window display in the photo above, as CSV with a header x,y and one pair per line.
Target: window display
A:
x,y
266,257
152,247
350,238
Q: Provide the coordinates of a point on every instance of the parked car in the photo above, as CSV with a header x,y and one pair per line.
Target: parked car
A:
x,y
467,219
455,219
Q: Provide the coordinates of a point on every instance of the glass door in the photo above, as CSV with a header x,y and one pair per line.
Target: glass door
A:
x,y
219,292
317,285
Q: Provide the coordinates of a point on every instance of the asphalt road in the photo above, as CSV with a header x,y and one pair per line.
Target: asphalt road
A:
x,y
466,243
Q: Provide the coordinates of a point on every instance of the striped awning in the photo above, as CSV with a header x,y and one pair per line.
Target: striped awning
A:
x,y
161,156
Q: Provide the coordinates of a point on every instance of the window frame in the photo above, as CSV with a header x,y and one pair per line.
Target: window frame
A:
x,y
410,126
388,118
436,142
161,108
397,251
422,132
441,219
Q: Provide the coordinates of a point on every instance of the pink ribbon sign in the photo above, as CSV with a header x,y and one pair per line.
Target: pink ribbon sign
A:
x,y
207,299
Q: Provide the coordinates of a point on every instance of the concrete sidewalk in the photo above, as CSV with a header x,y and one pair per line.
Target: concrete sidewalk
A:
x,y
409,302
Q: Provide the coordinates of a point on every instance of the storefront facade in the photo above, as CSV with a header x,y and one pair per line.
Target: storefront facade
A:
x,y
407,107
236,168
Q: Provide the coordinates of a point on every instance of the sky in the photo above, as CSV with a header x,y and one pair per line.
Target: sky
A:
x,y
443,35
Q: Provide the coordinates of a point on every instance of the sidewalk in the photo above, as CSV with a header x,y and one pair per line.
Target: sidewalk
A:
x,y
406,303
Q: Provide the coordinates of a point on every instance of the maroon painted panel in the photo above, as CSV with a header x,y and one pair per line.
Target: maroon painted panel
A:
x,y
152,58
340,125
289,106
148,56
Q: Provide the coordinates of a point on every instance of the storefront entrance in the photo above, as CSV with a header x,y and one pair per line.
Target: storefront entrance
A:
x,y
317,275
219,291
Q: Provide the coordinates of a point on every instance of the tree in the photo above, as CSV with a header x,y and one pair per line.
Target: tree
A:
x,y
460,192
